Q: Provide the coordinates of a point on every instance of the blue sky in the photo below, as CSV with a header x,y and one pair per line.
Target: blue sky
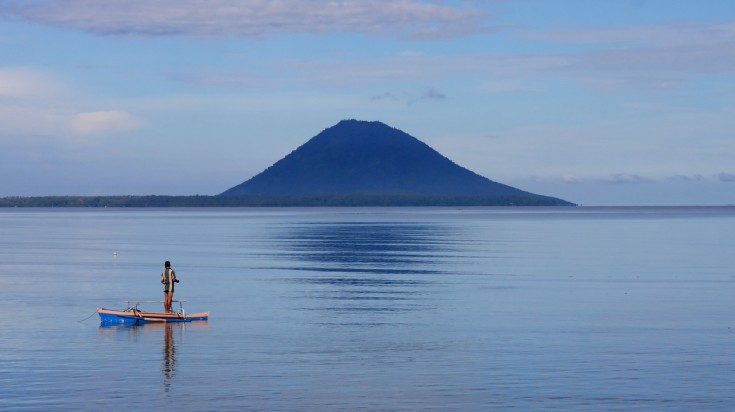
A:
x,y
625,102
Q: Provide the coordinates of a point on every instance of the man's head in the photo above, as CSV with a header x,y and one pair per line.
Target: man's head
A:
x,y
167,264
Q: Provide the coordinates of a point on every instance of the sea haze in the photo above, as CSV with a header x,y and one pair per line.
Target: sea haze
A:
x,y
372,308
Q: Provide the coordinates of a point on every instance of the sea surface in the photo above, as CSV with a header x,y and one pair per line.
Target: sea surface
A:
x,y
374,309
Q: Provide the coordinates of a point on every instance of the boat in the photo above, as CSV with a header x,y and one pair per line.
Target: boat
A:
x,y
133,315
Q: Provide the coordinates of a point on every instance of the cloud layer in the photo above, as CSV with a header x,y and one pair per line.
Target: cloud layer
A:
x,y
251,18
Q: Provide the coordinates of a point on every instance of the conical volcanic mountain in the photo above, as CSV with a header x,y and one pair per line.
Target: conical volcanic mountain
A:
x,y
360,158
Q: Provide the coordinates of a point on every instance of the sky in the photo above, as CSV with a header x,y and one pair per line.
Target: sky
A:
x,y
618,102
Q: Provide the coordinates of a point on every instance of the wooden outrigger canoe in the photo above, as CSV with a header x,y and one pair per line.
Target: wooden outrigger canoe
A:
x,y
133,315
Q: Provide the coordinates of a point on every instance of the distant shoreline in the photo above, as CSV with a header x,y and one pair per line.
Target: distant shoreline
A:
x,y
278,201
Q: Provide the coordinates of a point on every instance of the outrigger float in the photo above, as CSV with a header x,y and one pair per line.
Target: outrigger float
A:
x,y
132,315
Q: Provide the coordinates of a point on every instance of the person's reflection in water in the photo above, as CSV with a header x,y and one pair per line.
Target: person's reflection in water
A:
x,y
169,357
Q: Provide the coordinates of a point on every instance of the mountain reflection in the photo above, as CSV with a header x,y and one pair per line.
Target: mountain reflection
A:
x,y
364,268
381,248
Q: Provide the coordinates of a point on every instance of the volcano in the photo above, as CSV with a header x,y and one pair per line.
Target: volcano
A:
x,y
364,159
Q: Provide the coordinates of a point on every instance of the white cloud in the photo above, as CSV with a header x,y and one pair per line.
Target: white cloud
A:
x,y
112,121
252,18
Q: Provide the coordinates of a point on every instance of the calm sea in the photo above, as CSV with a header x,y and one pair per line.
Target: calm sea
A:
x,y
372,309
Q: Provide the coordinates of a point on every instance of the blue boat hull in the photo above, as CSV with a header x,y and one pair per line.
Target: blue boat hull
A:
x,y
136,317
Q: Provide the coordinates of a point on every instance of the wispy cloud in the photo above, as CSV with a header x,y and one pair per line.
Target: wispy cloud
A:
x,y
667,35
36,107
385,96
615,178
653,57
603,70
253,18
686,178
632,178
626,178
21,82
430,94
509,86
39,125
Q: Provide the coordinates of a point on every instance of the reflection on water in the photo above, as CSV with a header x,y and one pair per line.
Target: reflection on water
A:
x,y
140,334
448,310
357,247
169,356
364,267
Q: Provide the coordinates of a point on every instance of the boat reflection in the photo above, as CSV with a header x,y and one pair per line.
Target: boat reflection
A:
x,y
143,333
169,357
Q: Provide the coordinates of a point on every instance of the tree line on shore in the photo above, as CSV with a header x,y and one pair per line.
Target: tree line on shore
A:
x,y
279,201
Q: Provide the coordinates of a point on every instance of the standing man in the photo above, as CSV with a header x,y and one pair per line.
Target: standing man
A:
x,y
168,278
